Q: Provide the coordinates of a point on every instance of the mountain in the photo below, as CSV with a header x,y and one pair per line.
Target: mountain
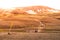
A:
x,y
26,17
40,10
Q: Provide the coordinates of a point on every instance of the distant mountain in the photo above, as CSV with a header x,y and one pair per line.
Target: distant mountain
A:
x,y
29,20
38,10
35,10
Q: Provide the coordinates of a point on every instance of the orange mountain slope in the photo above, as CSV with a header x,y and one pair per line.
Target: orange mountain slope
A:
x,y
38,10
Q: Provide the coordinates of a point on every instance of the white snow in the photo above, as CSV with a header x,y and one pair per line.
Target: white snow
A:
x,y
31,12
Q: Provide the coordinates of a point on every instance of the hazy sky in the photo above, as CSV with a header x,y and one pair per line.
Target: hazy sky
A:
x,y
22,3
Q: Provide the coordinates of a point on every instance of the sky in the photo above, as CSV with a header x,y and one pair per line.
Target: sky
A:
x,y
23,3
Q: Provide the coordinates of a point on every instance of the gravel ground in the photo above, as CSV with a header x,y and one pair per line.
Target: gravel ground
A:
x,y
29,36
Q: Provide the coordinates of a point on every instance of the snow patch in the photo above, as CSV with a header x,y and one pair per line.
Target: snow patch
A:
x,y
31,12
53,10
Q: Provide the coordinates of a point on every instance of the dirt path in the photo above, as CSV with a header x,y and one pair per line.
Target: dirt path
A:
x,y
29,36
